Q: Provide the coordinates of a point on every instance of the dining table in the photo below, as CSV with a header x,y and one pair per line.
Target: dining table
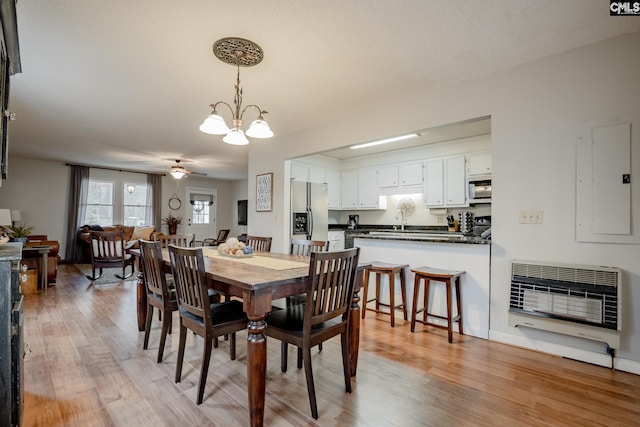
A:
x,y
258,280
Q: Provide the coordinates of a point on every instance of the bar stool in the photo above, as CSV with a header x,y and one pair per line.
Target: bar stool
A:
x,y
380,268
429,274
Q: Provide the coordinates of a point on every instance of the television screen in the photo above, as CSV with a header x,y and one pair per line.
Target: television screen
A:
x,y
242,212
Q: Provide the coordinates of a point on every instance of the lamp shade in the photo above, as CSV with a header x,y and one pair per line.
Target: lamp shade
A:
x,y
235,137
259,129
15,215
214,125
5,217
177,173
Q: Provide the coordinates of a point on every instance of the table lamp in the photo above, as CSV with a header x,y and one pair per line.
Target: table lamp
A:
x,y
15,216
5,220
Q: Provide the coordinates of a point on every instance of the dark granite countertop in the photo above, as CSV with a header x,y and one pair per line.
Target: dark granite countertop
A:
x,y
411,233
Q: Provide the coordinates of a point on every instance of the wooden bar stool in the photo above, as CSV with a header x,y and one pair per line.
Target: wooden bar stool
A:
x,y
429,274
380,268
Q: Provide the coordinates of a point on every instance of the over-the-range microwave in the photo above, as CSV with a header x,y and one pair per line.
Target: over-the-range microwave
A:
x,y
480,190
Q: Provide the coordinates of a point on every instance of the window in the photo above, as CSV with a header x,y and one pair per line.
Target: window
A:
x,y
116,201
99,203
135,204
200,208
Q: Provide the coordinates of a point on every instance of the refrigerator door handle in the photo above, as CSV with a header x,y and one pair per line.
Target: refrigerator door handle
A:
x,y
310,225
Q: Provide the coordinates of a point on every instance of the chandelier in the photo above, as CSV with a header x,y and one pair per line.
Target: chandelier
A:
x,y
245,53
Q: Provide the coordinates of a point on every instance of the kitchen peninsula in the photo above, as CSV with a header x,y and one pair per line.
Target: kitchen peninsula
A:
x,y
451,251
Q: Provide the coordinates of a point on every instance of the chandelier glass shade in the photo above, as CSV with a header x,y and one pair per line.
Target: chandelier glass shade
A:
x,y
236,51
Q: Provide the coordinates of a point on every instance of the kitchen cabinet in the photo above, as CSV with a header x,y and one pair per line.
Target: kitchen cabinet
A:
x,y
334,190
299,171
349,196
317,174
336,240
368,196
445,182
388,176
479,164
410,174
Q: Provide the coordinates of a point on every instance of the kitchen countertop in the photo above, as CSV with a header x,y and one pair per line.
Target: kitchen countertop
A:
x,y
412,233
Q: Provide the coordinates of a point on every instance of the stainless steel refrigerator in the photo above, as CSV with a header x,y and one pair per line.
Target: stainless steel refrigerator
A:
x,y
309,210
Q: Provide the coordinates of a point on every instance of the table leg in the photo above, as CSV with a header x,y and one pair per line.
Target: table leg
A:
x,y
256,368
354,324
141,298
44,270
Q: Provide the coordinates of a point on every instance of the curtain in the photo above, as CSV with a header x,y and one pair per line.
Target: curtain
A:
x,y
154,199
78,190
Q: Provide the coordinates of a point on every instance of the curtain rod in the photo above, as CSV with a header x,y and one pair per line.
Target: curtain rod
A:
x,y
115,170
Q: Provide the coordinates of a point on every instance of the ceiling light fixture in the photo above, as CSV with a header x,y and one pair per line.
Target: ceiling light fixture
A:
x,y
386,141
177,171
245,53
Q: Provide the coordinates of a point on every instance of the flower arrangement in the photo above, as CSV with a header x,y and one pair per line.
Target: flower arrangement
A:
x,y
172,220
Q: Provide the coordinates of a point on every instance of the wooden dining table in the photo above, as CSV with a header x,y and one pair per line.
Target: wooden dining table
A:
x,y
258,281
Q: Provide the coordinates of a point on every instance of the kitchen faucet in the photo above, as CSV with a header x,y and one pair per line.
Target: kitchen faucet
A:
x,y
403,220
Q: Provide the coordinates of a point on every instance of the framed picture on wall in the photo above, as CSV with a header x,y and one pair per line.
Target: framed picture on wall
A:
x,y
264,189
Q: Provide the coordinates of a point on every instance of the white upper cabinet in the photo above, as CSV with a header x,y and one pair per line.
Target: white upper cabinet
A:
x,y
317,174
445,182
388,176
334,188
299,171
479,164
410,174
349,190
368,196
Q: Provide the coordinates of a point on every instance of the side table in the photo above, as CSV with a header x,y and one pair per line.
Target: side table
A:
x,y
42,253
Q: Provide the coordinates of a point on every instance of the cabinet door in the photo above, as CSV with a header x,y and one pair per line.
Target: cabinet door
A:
x,y
299,171
479,164
434,182
410,174
368,194
455,182
349,190
388,176
334,191
317,174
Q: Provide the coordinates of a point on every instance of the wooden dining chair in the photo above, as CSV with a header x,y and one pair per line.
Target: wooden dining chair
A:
x,y
326,312
259,244
305,247
209,321
222,236
182,240
108,250
159,294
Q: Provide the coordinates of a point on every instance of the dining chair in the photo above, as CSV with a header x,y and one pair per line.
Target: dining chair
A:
x,y
207,320
108,250
259,244
222,236
182,240
159,293
325,314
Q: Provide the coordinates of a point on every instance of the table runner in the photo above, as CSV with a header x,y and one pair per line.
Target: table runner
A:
x,y
258,261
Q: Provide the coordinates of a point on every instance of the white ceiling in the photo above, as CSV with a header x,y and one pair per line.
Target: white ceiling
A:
x,y
125,84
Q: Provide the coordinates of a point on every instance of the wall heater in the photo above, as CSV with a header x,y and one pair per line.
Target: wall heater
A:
x,y
577,300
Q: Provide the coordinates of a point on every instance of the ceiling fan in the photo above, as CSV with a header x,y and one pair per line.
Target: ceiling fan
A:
x,y
178,171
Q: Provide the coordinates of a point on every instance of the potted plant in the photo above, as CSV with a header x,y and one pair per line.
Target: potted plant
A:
x,y
19,233
172,222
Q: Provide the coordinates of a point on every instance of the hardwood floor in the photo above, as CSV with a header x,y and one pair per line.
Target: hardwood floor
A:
x,y
86,367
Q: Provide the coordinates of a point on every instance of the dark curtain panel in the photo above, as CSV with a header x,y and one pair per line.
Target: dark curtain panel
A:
x,y
78,190
154,195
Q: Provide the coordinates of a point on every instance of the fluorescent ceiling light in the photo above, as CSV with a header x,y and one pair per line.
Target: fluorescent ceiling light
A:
x,y
386,141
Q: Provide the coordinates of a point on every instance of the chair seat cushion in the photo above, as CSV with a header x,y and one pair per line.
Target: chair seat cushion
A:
x,y
222,313
292,317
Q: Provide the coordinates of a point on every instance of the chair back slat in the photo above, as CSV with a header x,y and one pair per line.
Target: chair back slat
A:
x,y
259,244
305,247
151,263
330,290
188,269
181,240
107,245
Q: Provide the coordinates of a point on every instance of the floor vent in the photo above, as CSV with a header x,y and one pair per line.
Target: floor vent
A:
x,y
577,300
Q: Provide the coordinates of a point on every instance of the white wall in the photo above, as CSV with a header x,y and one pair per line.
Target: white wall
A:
x,y
534,110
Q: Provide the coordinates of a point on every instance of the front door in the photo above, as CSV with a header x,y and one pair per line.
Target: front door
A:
x,y
201,212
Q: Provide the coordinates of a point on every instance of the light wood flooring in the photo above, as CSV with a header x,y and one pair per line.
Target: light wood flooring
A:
x,y
86,367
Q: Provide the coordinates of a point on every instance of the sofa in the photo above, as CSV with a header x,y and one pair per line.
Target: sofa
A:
x,y
131,236
53,256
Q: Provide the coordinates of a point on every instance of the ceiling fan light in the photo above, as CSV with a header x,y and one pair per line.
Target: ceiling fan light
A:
x,y
235,137
259,129
177,173
214,124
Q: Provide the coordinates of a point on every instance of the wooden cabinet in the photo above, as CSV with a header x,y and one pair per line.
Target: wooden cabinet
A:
x,y
479,164
334,188
445,182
